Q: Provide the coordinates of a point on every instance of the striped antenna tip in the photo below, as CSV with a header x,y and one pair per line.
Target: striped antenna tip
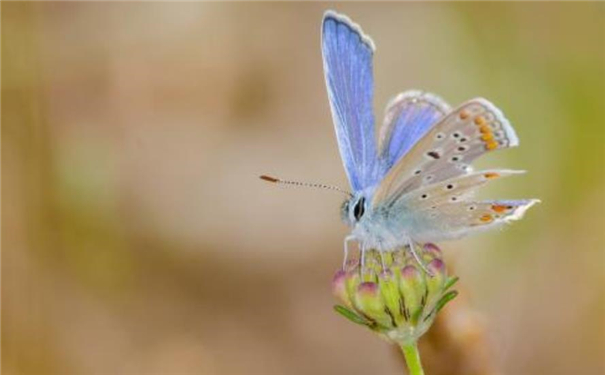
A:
x,y
269,178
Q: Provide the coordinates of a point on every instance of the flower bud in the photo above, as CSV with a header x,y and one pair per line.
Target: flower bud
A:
x,y
339,288
389,289
432,250
413,289
392,294
369,301
437,276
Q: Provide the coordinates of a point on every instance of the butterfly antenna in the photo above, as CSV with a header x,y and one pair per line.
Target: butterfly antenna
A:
x,y
276,180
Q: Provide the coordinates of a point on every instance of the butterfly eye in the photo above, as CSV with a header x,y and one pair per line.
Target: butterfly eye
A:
x,y
359,208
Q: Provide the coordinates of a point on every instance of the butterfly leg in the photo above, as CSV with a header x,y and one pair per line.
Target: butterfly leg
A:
x,y
418,260
363,258
381,251
346,257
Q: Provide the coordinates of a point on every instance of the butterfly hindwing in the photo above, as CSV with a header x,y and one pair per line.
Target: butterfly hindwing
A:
x,y
448,149
408,117
347,57
450,191
453,221
444,210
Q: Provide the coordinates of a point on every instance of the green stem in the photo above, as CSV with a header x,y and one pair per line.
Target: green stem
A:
x,y
412,358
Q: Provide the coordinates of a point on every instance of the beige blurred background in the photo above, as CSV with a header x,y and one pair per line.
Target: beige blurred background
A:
x,y
137,239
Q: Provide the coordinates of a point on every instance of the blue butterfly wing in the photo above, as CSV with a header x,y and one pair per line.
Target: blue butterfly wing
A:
x,y
347,57
408,117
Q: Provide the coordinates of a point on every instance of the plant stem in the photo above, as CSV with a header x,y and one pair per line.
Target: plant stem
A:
x,y
412,358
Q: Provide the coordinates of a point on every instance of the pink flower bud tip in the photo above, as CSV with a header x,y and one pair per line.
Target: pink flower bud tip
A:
x,y
339,284
339,277
367,288
432,249
409,272
436,266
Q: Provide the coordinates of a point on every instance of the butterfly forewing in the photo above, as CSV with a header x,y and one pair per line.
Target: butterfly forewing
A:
x,y
447,150
347,56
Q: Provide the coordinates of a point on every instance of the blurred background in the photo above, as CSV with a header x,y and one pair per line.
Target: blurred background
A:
x,y
137,238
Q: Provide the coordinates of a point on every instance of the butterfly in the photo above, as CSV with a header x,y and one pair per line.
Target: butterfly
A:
x,y
414,184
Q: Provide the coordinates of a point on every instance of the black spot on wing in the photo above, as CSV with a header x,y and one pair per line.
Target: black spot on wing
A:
x,y
433,154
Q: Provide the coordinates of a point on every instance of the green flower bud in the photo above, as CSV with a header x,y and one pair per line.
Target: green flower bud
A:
x,y
392,294
369,301
339,288
389,289
412,286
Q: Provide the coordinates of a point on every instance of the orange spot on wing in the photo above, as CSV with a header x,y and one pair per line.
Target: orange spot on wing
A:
x,y
491,145
499,208
491,175
486,218
487,137
484,129
480,120
464,115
